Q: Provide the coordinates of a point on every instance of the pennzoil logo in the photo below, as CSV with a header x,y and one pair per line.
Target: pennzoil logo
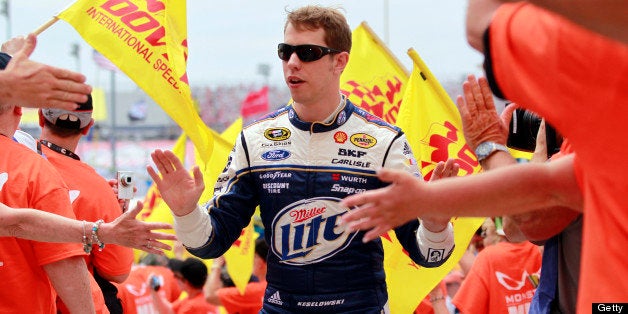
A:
x,y
277,134
363,140
340,137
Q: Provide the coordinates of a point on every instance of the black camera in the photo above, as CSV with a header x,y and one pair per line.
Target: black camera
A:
x,y
524,127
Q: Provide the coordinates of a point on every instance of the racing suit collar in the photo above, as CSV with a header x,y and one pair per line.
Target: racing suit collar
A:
x,y
336,119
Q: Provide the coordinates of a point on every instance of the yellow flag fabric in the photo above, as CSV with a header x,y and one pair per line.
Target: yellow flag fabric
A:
x,y
239,258
433,126
223,144
147,40
432,122
373,79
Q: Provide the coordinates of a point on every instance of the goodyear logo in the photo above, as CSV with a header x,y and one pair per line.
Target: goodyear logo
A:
x,y
363,140
277,134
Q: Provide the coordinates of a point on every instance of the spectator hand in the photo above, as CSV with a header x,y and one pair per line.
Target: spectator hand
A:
x,y
33,84
480,120
383,209
178,189
540,150
127,231
443,170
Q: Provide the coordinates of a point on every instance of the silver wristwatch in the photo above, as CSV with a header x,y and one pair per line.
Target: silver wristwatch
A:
x,y
485,149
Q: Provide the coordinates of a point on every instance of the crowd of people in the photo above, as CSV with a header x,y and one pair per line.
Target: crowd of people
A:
x,y
329,178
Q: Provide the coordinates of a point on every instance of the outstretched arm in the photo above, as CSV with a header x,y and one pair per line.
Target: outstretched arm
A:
x,y
39,225
481,123
33,84
507,190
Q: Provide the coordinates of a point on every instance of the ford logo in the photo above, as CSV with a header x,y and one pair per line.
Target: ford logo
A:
x,y
275,155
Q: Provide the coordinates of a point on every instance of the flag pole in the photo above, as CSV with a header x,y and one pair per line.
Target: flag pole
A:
x,y
45,26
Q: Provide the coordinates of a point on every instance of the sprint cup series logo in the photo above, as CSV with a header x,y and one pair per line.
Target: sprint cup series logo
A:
x,y
307,231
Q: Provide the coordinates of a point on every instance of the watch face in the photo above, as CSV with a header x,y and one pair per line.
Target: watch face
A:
x,y
485,149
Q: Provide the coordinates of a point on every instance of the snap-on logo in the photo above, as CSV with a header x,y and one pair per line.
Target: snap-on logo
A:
x,y
275,155
363,140
277,134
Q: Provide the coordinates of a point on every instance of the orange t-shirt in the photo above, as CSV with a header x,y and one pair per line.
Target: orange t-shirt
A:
x,y
578,81
92,199
498,281
27,180
134,292
249,303
196,305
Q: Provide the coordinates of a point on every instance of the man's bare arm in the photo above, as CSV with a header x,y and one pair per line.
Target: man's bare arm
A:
x,y
70,279
39,225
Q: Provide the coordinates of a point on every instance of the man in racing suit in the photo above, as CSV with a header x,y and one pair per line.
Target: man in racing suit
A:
x,y
297,164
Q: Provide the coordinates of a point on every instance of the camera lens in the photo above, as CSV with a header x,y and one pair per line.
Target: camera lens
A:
x,y
126,180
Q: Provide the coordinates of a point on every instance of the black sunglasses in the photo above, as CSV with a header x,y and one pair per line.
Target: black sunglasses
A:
x,y
306,53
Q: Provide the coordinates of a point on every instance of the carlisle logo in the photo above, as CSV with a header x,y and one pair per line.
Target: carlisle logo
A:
x,y
363,140
277,134
275,155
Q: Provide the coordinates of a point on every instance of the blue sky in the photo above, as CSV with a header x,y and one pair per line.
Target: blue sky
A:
x,y
229,39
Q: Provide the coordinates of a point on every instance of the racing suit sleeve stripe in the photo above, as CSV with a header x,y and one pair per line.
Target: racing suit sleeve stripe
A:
x,y
399,134
245,148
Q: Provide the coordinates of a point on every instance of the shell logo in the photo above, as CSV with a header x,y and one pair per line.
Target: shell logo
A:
x,y
340,137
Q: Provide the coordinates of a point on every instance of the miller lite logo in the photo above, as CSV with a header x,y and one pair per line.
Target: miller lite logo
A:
x,y
308,231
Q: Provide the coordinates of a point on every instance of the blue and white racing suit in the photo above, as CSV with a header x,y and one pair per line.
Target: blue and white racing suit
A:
x,y
297,172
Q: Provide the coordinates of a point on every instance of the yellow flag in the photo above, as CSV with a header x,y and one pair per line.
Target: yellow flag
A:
x,y
239,258
147,40
223,144
433,127
373,79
